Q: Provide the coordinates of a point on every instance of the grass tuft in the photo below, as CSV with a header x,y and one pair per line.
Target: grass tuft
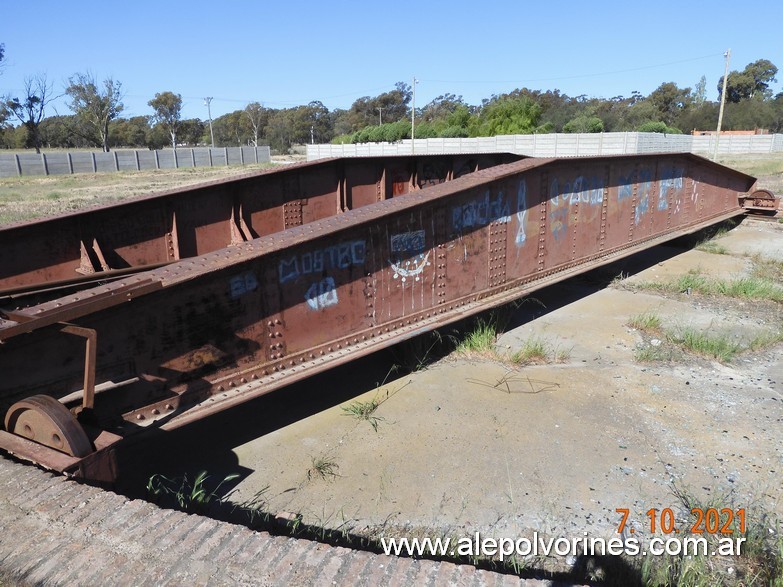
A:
x,y
755,287
364,411
646,321
322,468
480,340
719,347
533,350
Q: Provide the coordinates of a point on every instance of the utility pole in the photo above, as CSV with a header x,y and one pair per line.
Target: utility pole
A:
x,y
208,102
413,117
380,112
727,55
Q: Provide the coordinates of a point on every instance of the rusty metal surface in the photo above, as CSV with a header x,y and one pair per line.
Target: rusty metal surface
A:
x,y
150,231
763,201
208,332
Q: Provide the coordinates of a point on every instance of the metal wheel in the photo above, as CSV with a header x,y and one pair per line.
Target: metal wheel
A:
x,y
43,419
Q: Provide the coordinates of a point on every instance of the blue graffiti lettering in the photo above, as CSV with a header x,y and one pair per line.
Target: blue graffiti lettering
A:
x,y
339,256
480,212
671,178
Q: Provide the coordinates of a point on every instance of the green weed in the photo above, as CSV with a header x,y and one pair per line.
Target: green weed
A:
x,y
719,347
192,497
750,288
759,563
533,350
646,321
322,468
480,340
364,411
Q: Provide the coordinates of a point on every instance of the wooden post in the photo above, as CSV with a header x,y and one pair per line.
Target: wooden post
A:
x,y
43,162
242,155
225,150
209,150
157,161
94,164
116,161
136,153
176,160
70,163
18,165
193,156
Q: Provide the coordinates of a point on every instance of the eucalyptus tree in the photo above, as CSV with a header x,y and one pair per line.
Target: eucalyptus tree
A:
x,y
257,118
167,107
95,106
30,109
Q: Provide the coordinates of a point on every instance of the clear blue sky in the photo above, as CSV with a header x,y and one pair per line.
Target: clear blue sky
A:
x,y
288,53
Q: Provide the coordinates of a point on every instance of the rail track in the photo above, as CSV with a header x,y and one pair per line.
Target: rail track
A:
x,y
146,316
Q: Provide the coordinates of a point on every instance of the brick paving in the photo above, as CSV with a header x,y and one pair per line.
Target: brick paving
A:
x,y
54,531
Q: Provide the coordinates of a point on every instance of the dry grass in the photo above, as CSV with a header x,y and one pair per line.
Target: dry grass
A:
x,y
32,197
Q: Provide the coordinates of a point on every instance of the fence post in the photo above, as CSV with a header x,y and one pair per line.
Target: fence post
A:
x,y
209,149
43,162
94,163
225,150
193,156
242,156
136,154
18,165
255,149
116,161
176,159
70,163
157,161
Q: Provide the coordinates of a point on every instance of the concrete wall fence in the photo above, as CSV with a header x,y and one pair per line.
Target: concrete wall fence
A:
x,y
66,162
563,145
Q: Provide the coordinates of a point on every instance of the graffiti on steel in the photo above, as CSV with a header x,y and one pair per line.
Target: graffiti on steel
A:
x,y
480,212
671,178
521,213
645,190
339,256
322,294
408,255
239,285
563,194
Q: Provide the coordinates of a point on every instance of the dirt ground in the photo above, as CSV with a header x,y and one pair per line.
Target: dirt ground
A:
x,y
474,443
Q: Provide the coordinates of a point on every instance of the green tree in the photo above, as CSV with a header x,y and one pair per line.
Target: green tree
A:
x,y
669,101
752,81
132,132
257,118
700,91
231,128
167,108
31,108
192,131
507,115
95,106
442,107
387,107
278,131
310,122
63,132
660,127
584,123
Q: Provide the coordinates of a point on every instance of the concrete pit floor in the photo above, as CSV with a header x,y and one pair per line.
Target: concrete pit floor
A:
x,y
475,443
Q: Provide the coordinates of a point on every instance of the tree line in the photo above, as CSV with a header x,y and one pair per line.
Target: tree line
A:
x,y
96,115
